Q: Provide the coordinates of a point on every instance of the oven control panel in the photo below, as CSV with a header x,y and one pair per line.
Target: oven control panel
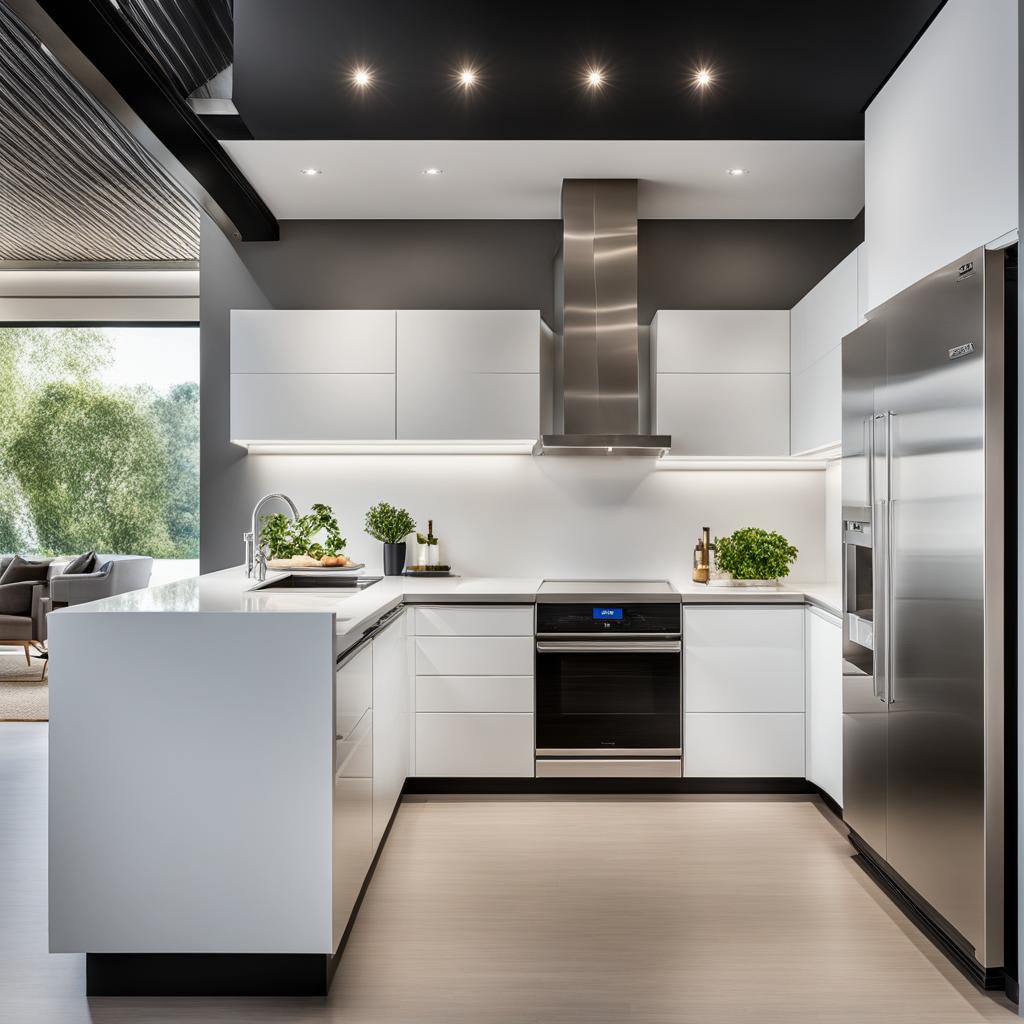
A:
x,y
610,619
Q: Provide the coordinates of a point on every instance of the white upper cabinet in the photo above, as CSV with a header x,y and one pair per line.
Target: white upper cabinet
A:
x,y
819,321
940,156
312,341
721,340
470,375
721,380
827,312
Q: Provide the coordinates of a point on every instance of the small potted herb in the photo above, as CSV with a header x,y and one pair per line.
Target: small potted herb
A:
x,y
390,526
751,556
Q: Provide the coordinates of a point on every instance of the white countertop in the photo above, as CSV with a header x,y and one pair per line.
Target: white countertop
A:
x,y
230,590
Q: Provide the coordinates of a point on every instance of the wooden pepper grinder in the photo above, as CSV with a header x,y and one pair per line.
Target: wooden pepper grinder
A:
x,y
702,557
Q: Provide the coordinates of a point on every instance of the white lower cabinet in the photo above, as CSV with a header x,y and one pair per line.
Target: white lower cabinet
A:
x,y
474,691
352,829
743,691
825,702
391,709
745,746
476,745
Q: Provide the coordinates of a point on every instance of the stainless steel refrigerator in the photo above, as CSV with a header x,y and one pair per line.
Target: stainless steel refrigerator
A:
x,y
925,395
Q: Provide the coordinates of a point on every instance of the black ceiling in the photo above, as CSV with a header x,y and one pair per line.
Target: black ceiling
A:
x,y
790,69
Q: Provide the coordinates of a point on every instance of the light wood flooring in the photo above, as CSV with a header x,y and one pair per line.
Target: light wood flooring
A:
x,y
553,910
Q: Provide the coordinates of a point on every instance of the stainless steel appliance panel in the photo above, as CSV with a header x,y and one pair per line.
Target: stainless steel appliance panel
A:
x,y
937,652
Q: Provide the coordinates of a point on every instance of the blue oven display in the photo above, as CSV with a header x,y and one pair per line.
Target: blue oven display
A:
x,y
607,613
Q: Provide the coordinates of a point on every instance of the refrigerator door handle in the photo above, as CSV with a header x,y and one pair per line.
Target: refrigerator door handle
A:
x,y
879,563
890,695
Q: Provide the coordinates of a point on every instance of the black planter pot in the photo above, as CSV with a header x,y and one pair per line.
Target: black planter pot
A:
x,y
394,559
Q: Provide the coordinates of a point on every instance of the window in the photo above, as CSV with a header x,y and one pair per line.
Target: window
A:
x,y
99,442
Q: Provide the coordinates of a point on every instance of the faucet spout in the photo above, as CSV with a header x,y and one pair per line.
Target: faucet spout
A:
x,y
251,539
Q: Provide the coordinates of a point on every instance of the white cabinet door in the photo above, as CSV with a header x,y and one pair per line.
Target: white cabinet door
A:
x,y
474,693
824,315
474,656
744,746
743,659
312,407
724,413
475,745
353,689
312,341
434,342
825,702
720,341
940,160
475,620
391,711
352,825
471,375
817,412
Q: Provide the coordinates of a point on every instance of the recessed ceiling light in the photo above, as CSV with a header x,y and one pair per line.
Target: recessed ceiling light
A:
x,y
736,172
703,78
594,77
468,77
310,172
362,77
432,172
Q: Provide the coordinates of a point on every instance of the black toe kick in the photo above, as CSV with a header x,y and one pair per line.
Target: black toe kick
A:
x,y
208,974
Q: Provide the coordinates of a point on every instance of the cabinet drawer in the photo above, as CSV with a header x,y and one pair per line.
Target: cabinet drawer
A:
x,y
474,655
353,690
462,694
743,746
475,745
497,620
743,659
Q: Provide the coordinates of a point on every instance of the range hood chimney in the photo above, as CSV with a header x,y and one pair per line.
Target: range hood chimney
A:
x,y
596,295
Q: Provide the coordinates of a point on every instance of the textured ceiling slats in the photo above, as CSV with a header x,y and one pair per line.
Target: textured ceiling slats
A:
x,y
74,184
190,39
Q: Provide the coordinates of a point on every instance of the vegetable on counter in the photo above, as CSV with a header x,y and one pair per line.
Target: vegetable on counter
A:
x,y
754,554
290,538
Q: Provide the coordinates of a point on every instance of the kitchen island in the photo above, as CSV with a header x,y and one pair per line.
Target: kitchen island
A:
x,y
226,759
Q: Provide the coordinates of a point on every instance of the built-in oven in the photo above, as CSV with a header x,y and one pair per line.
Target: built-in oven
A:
x,y
609,689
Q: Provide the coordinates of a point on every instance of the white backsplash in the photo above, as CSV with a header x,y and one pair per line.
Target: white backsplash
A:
x,y
833,522
552,516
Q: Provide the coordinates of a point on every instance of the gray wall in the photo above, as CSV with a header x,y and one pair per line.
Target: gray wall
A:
x,y
463,264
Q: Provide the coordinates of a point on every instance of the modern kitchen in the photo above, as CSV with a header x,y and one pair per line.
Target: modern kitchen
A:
x,y
608,592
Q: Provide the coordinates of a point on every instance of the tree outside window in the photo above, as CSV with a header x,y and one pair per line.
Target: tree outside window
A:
x,y
97,452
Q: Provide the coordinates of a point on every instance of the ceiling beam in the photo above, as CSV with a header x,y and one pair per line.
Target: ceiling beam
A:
x,y
96,46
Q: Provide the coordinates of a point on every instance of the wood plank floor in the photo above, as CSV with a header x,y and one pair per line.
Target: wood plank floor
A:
x,y
550,910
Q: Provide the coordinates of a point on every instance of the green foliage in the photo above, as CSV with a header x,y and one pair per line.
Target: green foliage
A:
x,y
754,554
388,524
83,465
286,538
93,471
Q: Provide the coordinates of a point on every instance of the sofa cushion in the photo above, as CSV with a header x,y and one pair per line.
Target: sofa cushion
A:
x,y
16,598
83,563
20,570
15,627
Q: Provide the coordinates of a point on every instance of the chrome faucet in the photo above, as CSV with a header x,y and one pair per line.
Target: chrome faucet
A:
x,y
255,558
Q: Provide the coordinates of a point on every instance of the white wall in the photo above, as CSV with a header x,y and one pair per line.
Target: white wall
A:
x,y
834,521
941,147
550,516
103,296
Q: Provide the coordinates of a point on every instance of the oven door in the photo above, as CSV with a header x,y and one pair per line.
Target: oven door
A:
x,y
611,698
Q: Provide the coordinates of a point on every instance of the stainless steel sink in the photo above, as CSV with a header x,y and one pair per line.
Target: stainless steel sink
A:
x,y
299,580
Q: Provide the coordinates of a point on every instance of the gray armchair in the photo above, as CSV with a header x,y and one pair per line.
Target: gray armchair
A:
x,y
117,574
26,631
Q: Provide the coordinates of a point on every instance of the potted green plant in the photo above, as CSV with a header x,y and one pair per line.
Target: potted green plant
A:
x,y
390,526
751,557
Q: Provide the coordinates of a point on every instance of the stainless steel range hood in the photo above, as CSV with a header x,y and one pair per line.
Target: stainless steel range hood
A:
x,y
598,408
